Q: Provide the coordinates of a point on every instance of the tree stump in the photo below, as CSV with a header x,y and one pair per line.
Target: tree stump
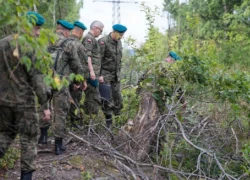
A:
x,y
144,129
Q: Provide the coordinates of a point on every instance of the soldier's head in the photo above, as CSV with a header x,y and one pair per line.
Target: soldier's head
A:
x,y
172,57
64,27
37,21
96,28
79,29
118,32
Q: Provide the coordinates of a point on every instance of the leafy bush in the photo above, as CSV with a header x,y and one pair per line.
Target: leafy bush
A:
x,y
10,158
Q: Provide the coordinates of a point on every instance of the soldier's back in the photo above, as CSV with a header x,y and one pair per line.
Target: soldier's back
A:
x,y
15,83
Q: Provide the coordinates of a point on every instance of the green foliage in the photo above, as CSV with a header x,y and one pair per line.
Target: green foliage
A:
x,y
12,16
59,9
131,105
86,175
211,37
246,155
10,158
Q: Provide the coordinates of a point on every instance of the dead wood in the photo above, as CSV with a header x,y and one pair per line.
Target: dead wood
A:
x,y
144,130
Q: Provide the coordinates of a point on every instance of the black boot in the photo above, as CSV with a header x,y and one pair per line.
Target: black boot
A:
x,y
26,175
108,120
59,148
43,136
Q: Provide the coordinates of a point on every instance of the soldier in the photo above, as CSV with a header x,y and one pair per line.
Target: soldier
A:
x,y
171,58
69,63
76,89
18,113
92,96
111,50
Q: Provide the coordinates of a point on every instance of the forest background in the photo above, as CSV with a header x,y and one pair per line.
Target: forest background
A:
x,y
212,38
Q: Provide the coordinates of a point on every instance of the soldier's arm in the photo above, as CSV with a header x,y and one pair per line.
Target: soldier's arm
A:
x,y
121,55
41,89
84,59
88,44
102,51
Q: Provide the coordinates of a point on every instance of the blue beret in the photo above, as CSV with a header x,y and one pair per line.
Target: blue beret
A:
x,y
174,55
35,18
119,28
80,25
65,24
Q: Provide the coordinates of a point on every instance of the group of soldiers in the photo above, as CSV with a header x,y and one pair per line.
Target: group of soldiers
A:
x,y
98,61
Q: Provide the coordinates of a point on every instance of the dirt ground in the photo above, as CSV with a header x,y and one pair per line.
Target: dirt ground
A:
x,y
80,162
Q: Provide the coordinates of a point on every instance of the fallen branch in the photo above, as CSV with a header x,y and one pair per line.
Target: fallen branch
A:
x,y
113,153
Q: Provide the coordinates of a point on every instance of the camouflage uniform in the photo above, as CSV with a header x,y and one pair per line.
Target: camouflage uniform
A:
x,y
111,51
169,92
92,96
70,63
77,94
18,115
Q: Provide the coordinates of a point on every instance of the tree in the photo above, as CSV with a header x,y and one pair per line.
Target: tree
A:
x,y
58,9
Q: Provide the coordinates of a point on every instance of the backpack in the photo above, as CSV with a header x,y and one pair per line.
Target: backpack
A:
x,y
56,52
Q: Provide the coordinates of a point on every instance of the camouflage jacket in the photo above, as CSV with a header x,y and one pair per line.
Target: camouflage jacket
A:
x,y
19,87
111,52
81,50
93,50
71,62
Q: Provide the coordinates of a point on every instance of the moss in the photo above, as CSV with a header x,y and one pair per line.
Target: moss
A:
x,y
76,161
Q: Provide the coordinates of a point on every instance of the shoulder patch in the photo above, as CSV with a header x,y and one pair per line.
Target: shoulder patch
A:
x,y
89,40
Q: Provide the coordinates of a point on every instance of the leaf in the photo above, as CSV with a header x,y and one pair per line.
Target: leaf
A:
x,y
16,53
72,76
57,81
156,96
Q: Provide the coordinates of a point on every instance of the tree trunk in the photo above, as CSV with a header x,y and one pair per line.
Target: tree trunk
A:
x,y
144,129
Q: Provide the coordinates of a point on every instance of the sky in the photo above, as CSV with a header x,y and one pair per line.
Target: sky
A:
x,y
131,16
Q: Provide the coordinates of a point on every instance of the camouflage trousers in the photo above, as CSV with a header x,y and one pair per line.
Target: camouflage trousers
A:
x,y
22,121
76,95
115,104
92,100
61,105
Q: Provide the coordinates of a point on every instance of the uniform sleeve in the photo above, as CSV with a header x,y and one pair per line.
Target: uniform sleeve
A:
x,y
102,52
41,89
88,43
84,59
74,60
120,49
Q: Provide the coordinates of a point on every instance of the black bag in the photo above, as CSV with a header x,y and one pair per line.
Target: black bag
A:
x,y
105,91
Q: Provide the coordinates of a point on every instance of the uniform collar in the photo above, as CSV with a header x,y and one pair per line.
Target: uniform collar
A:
x,y
74,36
91,34
111,39
60,34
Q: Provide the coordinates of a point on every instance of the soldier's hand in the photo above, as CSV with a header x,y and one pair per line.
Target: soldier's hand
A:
x,y
76,87
101,79
47,115
84,86
92,75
